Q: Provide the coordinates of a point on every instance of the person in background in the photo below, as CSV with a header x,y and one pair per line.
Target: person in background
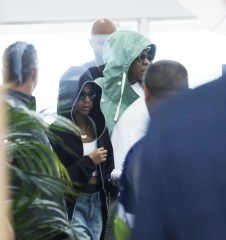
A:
x,y
101,29
89,161
20,77
182,168
127,54
20,73
162,79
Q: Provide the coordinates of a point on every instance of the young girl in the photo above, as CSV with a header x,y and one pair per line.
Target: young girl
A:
x,y
91,162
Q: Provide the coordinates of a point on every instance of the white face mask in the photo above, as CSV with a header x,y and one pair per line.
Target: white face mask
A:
x,y
97,42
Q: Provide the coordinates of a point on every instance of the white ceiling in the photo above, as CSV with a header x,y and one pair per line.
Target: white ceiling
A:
x,y
211,12
28,11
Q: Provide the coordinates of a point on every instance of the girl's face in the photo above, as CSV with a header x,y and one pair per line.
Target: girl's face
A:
x,y
85,100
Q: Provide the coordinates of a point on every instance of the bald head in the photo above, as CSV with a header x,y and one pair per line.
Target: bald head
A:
x,y
163,78
103,26
101,30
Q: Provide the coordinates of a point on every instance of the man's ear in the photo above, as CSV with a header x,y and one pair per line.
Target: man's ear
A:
x,y
147,93
34,78
91,43
34,74
149,99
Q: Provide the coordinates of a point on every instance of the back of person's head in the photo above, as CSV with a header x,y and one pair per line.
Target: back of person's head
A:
x,y
19,59
165,76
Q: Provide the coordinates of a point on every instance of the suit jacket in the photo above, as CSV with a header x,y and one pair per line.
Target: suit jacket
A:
x,y
182,176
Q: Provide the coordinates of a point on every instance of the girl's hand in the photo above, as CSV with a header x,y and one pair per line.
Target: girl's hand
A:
x,y
99,155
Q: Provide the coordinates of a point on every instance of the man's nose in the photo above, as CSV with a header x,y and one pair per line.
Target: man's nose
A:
x,y
146,61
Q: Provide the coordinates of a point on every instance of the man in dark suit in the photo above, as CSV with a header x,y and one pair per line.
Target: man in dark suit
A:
x,y
182,168
162,79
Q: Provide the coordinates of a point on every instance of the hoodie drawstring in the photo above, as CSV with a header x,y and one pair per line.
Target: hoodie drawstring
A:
x,y
120,101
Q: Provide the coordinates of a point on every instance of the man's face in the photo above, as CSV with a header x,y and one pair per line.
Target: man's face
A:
x,y
97,43
138,67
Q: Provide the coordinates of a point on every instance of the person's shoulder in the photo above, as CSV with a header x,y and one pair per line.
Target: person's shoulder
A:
x,y
193,100
100,81
133,151
74,72
188,113
212,90
90,64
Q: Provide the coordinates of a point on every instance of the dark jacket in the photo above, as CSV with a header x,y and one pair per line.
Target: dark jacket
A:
x,y
80,167
183,168
20,100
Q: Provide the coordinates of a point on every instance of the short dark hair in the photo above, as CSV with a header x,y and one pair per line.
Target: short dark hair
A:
x,y
165,76
18,61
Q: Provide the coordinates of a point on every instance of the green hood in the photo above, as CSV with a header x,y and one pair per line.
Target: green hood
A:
x,y
119,51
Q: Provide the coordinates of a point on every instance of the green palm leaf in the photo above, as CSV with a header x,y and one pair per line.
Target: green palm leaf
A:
x,y
39,181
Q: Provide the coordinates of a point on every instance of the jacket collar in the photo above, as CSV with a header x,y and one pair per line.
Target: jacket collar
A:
x,y
24,98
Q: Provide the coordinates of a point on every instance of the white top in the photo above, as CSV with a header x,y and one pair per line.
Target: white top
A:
x,y
91,146
131,126
137,88
88,148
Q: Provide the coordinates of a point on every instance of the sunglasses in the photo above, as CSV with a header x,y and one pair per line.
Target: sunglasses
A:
x,y
143,56
83,95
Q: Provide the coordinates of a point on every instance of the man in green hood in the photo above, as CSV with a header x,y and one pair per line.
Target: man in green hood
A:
x,y
127,54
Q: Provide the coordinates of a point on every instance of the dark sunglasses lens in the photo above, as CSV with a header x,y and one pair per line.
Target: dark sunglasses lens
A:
x,y
143,56
83,95
92,95
150,56
147,55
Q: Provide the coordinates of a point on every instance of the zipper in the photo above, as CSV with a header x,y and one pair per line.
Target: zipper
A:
x,y
107,202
